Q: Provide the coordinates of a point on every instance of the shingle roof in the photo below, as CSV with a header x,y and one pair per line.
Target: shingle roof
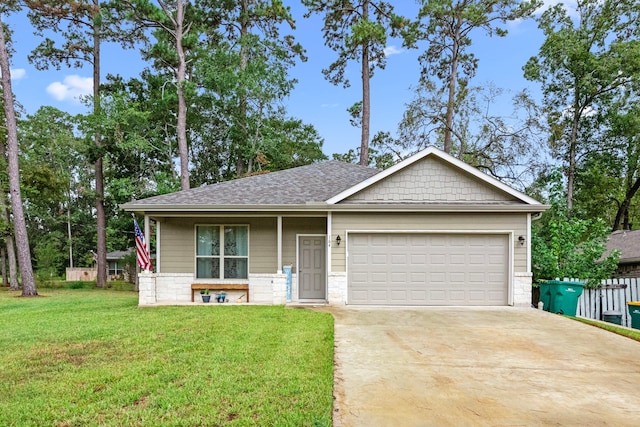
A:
x,y
115,255
627,242
297,186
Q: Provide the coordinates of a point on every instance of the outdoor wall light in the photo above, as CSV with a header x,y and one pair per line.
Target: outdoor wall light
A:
x,y
521,240
338,240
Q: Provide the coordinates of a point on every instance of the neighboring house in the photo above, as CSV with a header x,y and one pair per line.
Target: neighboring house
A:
x,y
118,269
430,230
628,243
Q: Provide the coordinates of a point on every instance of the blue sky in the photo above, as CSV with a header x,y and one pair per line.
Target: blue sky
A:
x,y
314,100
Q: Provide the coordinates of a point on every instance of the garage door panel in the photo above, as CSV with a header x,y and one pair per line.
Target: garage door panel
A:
x,y
418,276
457,259
379,277
398,277
428,269
438,297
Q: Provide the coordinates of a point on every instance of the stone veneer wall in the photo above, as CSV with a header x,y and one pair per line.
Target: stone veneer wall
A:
x,y
337,288
522,289
268,288
146,289
170,288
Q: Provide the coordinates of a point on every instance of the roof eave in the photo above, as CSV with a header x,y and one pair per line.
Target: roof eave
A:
x,y
436,208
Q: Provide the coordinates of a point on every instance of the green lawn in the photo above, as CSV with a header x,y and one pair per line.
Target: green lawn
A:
x,y
634,334
92,357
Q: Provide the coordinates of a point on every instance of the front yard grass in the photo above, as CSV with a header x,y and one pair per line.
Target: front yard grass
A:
x,y
92,357
634,334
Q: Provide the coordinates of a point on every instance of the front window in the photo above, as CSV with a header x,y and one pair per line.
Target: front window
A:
x,y
230,262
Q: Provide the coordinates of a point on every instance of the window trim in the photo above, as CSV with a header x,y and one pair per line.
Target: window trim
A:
x,y
221,257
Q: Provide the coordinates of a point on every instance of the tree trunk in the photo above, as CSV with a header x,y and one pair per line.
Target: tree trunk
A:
x,y
3,266
452,94
101,220
366,96
622,216
69,235
13,264
19,225
241,164
10,247
182,103
573,141
9,241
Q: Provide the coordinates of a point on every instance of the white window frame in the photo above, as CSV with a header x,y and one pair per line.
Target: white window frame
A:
x,y
222,256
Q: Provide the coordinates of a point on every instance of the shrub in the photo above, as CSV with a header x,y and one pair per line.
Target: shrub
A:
x,y
565,246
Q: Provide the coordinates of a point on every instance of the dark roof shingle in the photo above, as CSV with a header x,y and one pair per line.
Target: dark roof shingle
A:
x,y
297,186
627,242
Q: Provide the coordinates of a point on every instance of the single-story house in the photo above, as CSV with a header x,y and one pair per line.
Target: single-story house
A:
x,y
628,243
431,230
117,266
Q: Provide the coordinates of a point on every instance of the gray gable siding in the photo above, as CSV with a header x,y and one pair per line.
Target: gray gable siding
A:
x,y
430,181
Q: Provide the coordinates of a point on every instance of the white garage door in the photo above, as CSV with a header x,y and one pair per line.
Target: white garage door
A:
x,y
428,269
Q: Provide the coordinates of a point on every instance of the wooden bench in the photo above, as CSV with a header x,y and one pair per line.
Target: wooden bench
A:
x,y
219,287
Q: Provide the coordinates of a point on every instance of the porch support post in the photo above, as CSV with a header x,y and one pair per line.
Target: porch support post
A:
x,y
147,234
279,244
157,263
329,238
529,243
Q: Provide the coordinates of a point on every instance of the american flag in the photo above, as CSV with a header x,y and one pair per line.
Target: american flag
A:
x,y
144,260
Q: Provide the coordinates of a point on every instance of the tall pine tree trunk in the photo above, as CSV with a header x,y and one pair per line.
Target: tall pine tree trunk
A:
x,y
9,242
10,246
366,96
3,265
241,164
19,224
451,98
101,220
181,78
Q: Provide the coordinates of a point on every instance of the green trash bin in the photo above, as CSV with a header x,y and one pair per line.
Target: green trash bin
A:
x,y
634,311
612,316
545,294
564,297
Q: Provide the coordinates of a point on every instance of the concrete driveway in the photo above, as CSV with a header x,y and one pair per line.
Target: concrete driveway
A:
x,y
480,366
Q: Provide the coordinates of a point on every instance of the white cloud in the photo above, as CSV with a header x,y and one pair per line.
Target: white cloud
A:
x,y
17,73
587,112
570,5
71,88
392,50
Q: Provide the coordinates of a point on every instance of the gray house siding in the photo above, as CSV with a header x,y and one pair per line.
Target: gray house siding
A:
x,y
291,227
471,222
177,243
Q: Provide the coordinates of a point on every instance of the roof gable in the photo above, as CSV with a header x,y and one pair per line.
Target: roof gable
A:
x,y
431,176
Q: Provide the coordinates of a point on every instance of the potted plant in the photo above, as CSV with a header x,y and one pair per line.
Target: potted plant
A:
x,y
205,295
221,296
565,246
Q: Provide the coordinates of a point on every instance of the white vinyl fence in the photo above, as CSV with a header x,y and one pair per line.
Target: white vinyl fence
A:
x,y
612,296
